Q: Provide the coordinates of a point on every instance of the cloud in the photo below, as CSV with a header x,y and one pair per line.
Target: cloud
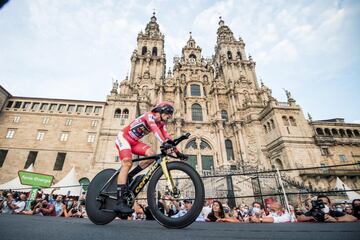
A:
x,y
81,43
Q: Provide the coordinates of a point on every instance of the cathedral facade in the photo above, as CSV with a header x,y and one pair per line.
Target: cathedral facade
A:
x,y
234,121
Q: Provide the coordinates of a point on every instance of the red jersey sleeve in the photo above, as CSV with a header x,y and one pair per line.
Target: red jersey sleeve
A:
x,y
164,132
150,121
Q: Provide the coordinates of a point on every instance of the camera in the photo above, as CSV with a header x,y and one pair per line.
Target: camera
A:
x,y
316,210
4,193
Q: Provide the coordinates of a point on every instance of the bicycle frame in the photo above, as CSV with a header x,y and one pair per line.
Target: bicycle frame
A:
x,y
161,160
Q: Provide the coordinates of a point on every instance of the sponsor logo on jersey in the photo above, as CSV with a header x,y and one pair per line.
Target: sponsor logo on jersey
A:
x,y
151,118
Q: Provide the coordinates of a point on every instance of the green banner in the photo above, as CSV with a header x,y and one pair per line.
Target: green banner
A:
x,y
35,179
32,197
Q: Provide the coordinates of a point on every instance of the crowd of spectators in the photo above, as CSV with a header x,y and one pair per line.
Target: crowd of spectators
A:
x,y
313,209
44,204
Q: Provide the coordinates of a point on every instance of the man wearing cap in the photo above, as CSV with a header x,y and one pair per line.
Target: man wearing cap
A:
x,y
182,210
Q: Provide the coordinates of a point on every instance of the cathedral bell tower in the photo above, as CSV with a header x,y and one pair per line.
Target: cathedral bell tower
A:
x,y
148,63
236,70
230,57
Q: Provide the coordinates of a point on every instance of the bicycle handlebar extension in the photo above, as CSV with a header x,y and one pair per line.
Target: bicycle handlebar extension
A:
x,y
172,143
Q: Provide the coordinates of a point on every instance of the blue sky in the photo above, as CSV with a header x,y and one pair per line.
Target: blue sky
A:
x,y
72,49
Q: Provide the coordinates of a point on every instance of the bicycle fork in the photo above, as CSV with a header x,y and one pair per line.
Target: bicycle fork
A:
x,y
168,177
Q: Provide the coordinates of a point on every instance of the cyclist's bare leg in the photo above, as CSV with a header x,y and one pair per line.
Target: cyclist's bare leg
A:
x,y
121,205
144,164
124,171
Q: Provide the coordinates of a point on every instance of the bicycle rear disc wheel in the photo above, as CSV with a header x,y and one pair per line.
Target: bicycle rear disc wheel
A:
x,y
93,207
189,198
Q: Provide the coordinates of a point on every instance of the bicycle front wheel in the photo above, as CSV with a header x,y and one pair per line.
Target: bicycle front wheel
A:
x,y
179,209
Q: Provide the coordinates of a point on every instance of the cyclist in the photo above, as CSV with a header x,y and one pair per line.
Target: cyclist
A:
x,y
127,142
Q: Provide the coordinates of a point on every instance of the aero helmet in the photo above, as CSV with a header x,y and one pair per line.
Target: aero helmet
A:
x,y
164,107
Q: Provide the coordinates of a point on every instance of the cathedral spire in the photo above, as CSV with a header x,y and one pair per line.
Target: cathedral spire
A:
x,y
224,33
152,28
221,22
153,18
191,42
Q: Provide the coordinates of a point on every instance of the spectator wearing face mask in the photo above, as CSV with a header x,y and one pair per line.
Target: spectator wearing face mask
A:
x,y
68,205
243,213
329,214
257,210
276,215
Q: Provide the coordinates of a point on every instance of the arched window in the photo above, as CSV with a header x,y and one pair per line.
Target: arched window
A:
x,y
144,50
229,150
238,55
192,56
196,111
356,133
191,144
285,121
349,133
126,113
272,124
154,51
195,90
229,55
265,128
327,132
335,132
117,113
342,132
292,121
319,131
204,145
268,125
224,115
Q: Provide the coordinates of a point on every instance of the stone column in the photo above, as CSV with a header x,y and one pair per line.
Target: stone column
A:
x,y
237,143
177,103
178,124
222,142
240,135
220,129
161,89
132,77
